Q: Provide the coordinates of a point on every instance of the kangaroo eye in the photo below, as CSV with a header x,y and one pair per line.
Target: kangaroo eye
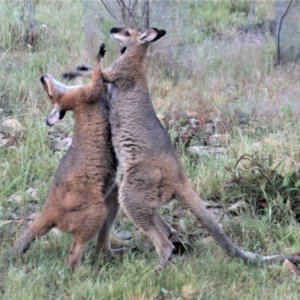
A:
x,y
127,33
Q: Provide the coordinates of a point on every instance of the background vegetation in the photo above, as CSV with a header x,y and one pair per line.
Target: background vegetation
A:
x,y
213,65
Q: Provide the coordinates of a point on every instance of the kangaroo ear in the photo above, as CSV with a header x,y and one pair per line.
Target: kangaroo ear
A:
x,y
152,35
161,33
47,85
53,117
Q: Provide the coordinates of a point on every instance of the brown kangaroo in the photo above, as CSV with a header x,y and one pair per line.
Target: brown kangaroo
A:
x,y
152,171
82,199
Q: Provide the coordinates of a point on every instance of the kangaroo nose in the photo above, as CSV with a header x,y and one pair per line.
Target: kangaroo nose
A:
x,y
42,79
115,30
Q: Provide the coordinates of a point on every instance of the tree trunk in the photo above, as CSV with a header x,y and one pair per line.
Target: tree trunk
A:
x,y
251,11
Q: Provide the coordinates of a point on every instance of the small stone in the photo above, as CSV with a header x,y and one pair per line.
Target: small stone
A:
x,y
11,127
32,216
182,225
238,206
16,197
202,150
124,235
3,142
217,140
33,193
60,144
188,292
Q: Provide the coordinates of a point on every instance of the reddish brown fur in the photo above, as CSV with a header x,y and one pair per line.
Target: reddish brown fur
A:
x,y
76,201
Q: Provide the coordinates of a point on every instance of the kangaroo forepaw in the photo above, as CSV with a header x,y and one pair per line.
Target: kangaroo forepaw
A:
x,y
84,68
69,75
101,52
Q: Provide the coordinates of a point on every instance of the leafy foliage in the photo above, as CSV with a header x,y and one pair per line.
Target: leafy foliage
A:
x,y
267,186
211,17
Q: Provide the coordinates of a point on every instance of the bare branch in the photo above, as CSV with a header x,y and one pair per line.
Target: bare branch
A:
x,y
130,13
107,8
279,30
146,15
123,12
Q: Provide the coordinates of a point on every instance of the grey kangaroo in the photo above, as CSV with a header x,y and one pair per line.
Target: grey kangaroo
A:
x,y
152,171
82,199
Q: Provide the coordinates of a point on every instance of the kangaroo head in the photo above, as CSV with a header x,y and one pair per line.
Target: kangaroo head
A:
x,y
128,37
65,98
55,91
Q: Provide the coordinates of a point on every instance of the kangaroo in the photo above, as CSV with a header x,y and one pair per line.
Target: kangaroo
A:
x,y
82,199
152,171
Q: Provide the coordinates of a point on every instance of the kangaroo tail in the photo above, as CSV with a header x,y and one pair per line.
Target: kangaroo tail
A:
x,y
191,200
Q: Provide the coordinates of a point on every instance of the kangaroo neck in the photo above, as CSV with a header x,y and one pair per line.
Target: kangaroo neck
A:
x,y
136,54
87,119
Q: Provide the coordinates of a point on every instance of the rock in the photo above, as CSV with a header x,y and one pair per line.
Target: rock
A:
x,y
188,292
182,225
201,150
207,241
16,197
32,216
3,142
124,235
238,207
33,193
217,140
11,127
60,144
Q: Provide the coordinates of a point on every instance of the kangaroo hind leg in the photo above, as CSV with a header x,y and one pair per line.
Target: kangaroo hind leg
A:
x,y
112,205
141,205
76,251
41,225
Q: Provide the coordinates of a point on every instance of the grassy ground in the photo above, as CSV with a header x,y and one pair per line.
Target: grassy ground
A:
x,y
214,71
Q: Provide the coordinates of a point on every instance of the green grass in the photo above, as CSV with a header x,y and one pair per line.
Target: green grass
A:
x,y
202,66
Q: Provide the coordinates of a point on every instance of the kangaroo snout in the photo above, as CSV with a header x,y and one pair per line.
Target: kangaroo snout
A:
x,y
115,30
45,77
42,79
